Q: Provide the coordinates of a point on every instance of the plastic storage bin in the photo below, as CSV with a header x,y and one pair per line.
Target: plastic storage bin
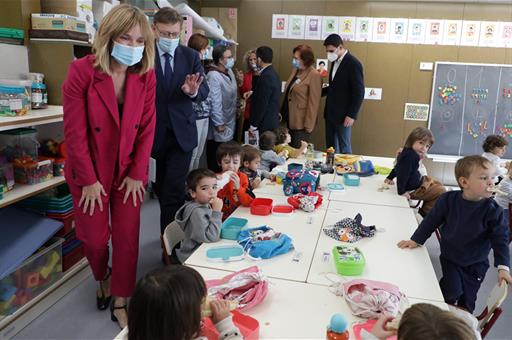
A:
x,y
249,327
348,260
15,97
18,143
7,176
351,179
35,274
28,171
261,206
231,227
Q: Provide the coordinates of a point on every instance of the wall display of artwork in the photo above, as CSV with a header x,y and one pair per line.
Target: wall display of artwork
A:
x,y
394,30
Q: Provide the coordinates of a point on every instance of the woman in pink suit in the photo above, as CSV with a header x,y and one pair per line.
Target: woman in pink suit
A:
x,y
109,122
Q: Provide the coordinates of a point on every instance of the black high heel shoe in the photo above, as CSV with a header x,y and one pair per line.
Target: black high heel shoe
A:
x,y
103,301
113,308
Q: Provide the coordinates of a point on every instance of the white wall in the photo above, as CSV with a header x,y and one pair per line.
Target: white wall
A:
x,y
13,61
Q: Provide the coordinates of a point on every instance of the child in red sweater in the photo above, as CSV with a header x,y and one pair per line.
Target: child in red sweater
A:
x,y
236,191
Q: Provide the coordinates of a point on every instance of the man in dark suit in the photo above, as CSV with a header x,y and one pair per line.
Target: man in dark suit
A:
x,y
266,92
179,76
345,94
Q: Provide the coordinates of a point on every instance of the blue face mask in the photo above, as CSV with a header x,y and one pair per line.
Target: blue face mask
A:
x,y
295,63
168,45
127,55
230,63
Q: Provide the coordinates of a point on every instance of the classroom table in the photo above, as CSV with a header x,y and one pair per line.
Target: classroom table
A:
x,y
302,227
367,192
410,269
295,310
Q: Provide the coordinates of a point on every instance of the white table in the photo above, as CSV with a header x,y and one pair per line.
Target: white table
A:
x,y
267,187
286,266
410,270
295,310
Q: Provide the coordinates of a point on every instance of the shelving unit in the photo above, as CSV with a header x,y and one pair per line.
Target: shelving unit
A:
x,y
52,114
10,325
66,41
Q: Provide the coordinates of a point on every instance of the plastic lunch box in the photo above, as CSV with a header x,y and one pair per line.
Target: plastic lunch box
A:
x,y
231,227
349,260
351,179
261,206
225,253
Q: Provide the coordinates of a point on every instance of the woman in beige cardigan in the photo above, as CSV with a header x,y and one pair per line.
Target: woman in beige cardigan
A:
x,y
302,96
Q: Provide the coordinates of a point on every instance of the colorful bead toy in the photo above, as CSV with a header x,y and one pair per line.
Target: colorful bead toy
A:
x,y
448,94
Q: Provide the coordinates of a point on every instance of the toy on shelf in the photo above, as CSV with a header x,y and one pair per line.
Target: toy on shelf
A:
x,y
30,171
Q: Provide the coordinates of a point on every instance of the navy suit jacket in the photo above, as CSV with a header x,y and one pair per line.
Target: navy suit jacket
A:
x,y
173,107
345,92
265,100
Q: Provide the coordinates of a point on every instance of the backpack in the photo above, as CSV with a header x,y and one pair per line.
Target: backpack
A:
x,y
248,287
264,242
301,182
370,299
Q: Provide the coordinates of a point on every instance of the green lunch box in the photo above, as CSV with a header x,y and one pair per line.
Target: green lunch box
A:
x,y
348,260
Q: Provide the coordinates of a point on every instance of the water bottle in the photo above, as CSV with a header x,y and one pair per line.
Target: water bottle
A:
x,y
310,153
338,328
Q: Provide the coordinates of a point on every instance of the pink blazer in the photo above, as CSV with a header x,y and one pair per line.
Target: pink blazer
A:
x,y
98,142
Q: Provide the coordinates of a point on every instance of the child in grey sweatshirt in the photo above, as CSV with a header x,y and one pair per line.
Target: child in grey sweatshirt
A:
x,y
269,158
200,218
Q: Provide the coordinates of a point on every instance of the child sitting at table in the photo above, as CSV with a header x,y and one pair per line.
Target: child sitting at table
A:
x,y
423,321
471,224
283,140
167,304
494,148
201,217
410,183
236,191
251,159
269,158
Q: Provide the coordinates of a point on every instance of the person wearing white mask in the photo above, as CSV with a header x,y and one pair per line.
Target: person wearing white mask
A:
x,y
302,97
179,75
224,98
345,94
109,122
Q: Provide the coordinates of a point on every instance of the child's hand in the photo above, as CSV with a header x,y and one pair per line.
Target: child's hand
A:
x,y
256,182
389,181
216,204
504,275
380,331
407,244
220,310
233,176
303,145
283,153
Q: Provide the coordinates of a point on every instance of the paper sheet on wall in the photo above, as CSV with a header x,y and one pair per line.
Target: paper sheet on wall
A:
x,y
398,30
348,28
470,33
506,33
313,28
381,30
434,32
452,32
364,28
280,26
296,26
489,34
416,31
373,93
415,111
330,25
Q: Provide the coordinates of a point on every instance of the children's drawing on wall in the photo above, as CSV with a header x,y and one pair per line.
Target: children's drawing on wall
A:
x,y
321,67
280,26
415,111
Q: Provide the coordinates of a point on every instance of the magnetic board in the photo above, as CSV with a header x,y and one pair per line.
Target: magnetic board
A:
x,y
468,103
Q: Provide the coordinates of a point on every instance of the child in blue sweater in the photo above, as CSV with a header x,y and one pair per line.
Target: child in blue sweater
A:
x,y
471,224
410,183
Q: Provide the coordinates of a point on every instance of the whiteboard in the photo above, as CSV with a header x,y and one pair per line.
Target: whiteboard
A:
x,y
468,103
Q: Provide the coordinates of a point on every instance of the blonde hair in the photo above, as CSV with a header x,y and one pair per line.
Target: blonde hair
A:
x,y
247,55
118,21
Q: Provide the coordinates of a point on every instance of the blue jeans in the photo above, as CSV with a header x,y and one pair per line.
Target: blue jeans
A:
x,y
338,136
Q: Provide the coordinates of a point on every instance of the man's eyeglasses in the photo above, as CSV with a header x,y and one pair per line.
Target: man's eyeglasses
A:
x,y
170,35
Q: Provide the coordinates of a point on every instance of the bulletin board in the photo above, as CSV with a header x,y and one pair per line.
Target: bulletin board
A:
x,y
468,103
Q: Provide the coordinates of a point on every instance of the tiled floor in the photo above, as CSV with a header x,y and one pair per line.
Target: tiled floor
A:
x,y
76,317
